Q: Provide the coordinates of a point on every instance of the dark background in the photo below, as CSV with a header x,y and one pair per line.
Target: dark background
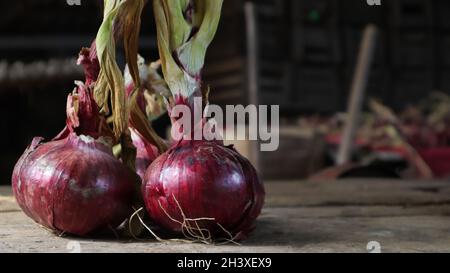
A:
x,y
308,50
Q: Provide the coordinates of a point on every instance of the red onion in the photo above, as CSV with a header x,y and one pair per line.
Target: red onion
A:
x,y
201,188
74,184
207,179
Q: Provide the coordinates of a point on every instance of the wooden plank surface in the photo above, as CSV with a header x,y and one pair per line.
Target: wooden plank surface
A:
x,y
342,216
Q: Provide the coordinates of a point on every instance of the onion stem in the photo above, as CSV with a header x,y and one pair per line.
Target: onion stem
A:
x,y
184,30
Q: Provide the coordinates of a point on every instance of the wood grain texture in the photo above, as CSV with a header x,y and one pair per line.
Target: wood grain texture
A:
x,y
341,216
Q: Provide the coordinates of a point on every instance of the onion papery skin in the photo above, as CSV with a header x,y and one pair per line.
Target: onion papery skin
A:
x,y
73,185
146,152
208,180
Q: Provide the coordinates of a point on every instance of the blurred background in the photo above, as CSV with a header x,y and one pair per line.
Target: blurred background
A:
x,y
299,54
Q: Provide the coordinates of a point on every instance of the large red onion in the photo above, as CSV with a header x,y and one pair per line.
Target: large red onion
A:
x,y
74,184
197,179
204,179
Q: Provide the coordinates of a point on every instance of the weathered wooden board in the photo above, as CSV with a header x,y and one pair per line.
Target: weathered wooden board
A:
x,y
340,216
359,192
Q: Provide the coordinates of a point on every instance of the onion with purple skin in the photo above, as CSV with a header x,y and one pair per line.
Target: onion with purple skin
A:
x,y
204,179
199,188
73,185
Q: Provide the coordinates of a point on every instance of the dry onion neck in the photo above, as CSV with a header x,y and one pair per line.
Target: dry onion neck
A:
x,y
109,88
185,29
